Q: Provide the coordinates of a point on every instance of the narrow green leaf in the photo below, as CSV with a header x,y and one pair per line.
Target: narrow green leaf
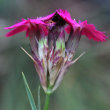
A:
x,y
39,103
29,94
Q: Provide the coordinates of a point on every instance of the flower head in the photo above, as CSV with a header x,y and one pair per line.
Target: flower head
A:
x,y
52,52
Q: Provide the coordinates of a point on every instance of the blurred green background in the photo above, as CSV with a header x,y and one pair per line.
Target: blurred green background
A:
x,y
86,86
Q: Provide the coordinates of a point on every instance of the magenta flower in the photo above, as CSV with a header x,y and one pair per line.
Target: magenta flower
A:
x,y
52,52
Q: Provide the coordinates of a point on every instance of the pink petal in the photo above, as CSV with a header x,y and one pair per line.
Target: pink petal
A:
x,y
90,31
36,21
65,15
44,29
16,30
68,29
45,18
27,32
26,25
74,26
17,24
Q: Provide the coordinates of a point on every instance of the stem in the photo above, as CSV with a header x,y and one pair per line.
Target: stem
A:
x,y
47,101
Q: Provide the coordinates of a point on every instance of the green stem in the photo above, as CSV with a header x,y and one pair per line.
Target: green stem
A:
x,y
47,101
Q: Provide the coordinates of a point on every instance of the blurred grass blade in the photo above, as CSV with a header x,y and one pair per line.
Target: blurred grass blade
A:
x,y
30,97
39,103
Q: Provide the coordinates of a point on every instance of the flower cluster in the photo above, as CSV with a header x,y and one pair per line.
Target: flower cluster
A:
x,y
52,51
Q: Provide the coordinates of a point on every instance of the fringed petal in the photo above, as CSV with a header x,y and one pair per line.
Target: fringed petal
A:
x,y
16,30
90,31
17,24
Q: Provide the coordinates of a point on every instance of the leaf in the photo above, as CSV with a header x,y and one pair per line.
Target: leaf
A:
x,y
29,94
39,103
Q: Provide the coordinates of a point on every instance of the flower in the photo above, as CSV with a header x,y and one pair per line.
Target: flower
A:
x,y
52,52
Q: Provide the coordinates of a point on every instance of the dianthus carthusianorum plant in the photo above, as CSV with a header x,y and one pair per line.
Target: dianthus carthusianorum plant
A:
x,y
52,51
